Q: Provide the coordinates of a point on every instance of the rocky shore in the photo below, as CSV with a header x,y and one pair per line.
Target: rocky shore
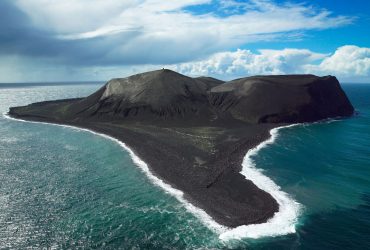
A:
x,y
194,132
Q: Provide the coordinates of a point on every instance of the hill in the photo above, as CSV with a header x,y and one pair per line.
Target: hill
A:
x,y
194,132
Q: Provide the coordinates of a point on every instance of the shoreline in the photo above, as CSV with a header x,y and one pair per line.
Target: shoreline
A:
x,y
286,218
195,134
143,166
274,226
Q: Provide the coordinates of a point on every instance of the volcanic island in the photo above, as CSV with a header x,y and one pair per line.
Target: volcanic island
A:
x,y
194,132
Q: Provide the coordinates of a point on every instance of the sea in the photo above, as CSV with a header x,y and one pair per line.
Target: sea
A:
x,y
66,188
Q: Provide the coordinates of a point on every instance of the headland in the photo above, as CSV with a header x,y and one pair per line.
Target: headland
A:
x,y
194,132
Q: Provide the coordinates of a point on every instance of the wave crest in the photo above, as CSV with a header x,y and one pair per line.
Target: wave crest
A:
x,y
283,222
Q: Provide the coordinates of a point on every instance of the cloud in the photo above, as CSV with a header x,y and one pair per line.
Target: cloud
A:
x,y
245,62
347,62
115,32
70,38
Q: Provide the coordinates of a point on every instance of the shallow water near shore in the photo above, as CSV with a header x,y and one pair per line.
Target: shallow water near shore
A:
x,y
66,188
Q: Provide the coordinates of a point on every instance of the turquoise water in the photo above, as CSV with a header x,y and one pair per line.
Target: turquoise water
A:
x,y
65,188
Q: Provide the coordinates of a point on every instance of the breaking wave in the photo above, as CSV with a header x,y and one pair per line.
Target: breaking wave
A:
x,y
283,222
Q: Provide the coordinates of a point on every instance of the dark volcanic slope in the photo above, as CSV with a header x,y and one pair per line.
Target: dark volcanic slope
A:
x,y
281,98
194,132
157,94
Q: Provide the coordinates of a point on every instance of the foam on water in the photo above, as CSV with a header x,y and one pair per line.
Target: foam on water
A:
x,y
178,194
283,222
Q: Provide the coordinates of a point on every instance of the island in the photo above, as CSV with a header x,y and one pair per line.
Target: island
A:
x,y
194,132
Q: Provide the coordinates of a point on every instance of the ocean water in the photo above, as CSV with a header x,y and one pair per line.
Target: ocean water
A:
x,y
66,188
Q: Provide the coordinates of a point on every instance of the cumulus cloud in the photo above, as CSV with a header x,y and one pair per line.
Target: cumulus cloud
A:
x,y
115,32
245,62
114,38
346,62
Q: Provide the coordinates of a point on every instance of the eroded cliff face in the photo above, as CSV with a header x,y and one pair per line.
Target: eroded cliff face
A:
x,y
194,132
281,99
164,95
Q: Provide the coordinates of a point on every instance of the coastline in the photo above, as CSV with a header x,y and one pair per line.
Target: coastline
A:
x,y
178,194
282,222
196,137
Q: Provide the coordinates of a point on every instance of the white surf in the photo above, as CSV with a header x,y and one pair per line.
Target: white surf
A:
x,y
283,221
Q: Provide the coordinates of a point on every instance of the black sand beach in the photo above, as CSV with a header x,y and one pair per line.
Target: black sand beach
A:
x,y
194,132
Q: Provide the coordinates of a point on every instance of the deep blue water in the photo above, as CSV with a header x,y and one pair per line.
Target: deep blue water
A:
x,y
65,188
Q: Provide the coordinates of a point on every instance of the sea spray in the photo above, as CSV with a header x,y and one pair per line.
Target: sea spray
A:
x,y
283,221
178,194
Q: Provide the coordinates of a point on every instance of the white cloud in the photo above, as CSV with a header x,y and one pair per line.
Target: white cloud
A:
x,y
245,62
347,62
70,16
157,31
116,38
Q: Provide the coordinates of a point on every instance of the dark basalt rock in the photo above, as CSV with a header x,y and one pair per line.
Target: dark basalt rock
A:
x,y
162,94
167,95
281,99
194,132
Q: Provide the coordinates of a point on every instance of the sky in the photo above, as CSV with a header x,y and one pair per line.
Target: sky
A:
x,y
96,40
